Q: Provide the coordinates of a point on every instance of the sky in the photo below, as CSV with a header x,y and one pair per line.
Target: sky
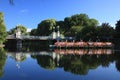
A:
x,y
30,13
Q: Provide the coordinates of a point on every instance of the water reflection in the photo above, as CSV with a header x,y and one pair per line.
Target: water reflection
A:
x,y
73,61
18,57
117,58
83,51
77,63
2,61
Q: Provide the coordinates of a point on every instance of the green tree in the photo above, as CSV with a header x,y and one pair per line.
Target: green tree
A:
x,y
87,33
45,27
22,29
73,31
33,32
79,20
71,26
74,24
117,29
62,26
93,22
3,33
105,31
67,22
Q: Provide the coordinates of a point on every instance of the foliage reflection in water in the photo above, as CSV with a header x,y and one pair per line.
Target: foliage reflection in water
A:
x,y
76,62
2,61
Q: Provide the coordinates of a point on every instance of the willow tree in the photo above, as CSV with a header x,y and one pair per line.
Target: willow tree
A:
x,y
2,29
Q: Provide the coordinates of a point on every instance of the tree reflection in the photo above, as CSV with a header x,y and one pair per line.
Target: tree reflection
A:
x,y
45,61
18,56
118,65
78,64
2,60
106,60
73,64
82,64
117,57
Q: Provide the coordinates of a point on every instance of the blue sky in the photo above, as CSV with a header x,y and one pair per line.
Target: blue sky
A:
x,y
31,12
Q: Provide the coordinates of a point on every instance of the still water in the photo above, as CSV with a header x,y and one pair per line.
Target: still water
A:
x,y
59,64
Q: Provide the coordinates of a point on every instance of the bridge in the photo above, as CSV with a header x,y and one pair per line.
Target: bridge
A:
x,y
17,39
25,37
18,35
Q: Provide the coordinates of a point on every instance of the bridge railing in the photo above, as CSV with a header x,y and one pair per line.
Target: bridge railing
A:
x,y
36,37
30,37
10,36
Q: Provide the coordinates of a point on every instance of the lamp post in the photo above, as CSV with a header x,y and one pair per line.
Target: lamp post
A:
x,y
53,33
58,32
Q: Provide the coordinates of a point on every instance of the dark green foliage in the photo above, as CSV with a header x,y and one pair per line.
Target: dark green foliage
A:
x,y
117,29
105,31
62,26
88,33
67,22
74,31
78,23
33,32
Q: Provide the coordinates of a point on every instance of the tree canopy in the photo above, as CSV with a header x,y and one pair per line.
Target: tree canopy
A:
x,y
45,27
71,26
105,30
21,27
117,29
80,26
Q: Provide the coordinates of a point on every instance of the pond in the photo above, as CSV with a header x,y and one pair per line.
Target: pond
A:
x,y
60,64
